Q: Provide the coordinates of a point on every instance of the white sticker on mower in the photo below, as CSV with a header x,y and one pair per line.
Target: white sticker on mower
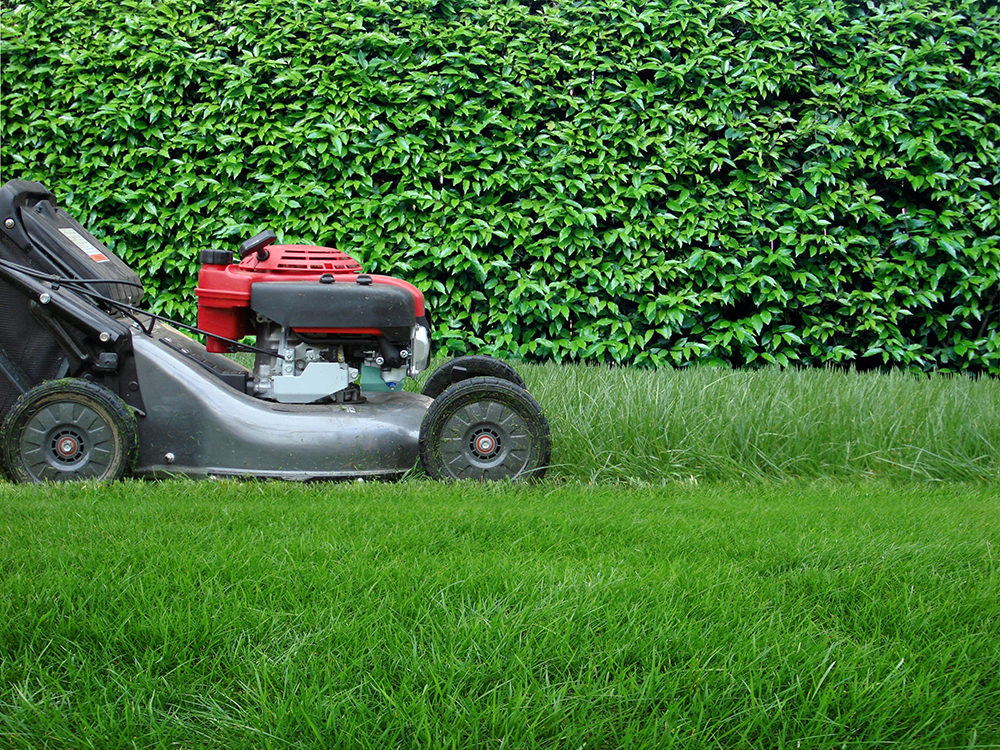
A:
x,y
81,242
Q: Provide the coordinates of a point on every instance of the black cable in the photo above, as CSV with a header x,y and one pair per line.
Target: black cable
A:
x,y
126,309
60,280
129,308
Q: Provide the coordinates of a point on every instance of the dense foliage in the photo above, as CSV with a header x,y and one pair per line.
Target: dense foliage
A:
x,y
668,182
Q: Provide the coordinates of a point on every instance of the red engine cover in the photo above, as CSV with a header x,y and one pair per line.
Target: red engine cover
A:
x,y
301,259
224,291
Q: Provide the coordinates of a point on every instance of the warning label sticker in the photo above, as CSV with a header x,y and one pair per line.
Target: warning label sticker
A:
x,y
78,239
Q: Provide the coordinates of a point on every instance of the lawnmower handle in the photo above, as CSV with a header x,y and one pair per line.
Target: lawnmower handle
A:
x,y
257,243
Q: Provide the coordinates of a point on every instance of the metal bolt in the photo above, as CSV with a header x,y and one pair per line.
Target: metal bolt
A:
x,y
9,223
105,337
380,360
169,458
45,298
404,354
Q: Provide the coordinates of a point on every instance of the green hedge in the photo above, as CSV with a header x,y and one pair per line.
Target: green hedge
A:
x,y
664,182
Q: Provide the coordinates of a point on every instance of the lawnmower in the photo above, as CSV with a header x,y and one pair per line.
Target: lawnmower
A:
x,y
94,387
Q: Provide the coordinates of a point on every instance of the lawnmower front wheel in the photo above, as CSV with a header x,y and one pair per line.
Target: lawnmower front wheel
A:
x,y
485,429
66,430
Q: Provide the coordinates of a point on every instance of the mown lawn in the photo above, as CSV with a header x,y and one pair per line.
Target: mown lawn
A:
x,y
419,615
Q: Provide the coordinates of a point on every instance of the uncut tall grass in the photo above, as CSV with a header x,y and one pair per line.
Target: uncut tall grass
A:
x,y
625,424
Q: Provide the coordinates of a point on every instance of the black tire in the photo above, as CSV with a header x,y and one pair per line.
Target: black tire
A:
x,y
485,429
66,430
477,366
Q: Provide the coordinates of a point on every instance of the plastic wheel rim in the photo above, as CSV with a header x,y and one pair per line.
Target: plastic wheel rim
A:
x,y
67,437
485,440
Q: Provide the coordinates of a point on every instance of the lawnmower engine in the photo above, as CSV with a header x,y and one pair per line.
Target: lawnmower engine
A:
x,y
321,326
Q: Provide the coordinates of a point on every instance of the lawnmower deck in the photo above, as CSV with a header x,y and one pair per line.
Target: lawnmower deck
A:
x,y
197,426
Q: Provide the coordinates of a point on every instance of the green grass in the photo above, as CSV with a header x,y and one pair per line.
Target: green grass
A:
x,y
626,424
245,615
645,595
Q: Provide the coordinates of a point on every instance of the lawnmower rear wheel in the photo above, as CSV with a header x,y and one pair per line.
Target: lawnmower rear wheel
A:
x,y
471,366
65,430
485,429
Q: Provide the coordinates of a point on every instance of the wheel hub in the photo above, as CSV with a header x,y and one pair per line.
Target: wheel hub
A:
x,y
67,446
485,443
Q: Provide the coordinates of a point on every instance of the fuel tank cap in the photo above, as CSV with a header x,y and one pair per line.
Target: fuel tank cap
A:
x,y
216,257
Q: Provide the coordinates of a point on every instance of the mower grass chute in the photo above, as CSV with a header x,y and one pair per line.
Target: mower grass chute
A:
x,y
93,387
